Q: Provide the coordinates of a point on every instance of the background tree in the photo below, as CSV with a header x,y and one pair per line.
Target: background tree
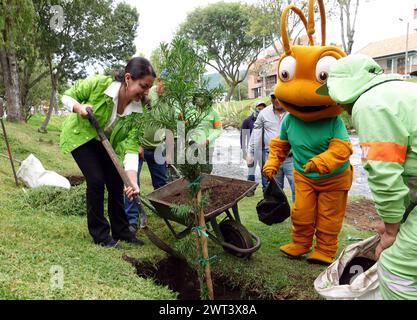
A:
x,y
348,11
156,60
241,92
267,24
16,18
71,41
221,32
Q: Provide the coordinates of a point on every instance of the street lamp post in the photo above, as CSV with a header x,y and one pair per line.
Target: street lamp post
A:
x,y
406,50
406,47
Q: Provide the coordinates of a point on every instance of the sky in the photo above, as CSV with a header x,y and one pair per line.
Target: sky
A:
x,y
377,20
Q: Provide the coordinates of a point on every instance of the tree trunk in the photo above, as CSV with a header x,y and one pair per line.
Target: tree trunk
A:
x,y
231,91
342,24
54,82
26,86
198,247
1,108
11,84
204,247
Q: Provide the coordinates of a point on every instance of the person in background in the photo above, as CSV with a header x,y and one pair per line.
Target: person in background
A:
x,y
206,133
113,103
152,141
268,126
245,134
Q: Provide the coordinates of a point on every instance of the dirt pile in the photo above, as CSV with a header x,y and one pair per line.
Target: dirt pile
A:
x,y
362,214
76,180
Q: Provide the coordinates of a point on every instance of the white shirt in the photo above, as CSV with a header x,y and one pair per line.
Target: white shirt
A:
x,y
131,160
267,124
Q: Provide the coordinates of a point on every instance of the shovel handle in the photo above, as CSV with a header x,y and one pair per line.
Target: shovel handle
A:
x,y
95,124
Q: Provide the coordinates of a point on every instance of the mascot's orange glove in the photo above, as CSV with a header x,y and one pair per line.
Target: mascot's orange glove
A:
x,y
278,152
338,153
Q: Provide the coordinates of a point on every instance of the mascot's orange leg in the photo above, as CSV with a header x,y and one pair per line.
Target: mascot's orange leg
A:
x,y
303,218
331,211
332,200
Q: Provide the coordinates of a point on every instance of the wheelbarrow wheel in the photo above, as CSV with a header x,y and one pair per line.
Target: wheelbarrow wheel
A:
x,y
236,234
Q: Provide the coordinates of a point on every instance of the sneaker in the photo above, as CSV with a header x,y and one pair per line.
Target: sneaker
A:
x,y
109,244
134,241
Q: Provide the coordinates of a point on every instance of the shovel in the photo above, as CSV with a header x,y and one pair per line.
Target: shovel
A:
x,y
136,199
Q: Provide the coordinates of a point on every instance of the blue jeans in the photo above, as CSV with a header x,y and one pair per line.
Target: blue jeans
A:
x,y
159,179
286,170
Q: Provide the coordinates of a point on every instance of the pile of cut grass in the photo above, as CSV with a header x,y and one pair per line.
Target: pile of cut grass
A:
x,y
57,200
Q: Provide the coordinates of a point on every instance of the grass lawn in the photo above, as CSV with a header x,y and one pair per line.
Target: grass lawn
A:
x,y
34,240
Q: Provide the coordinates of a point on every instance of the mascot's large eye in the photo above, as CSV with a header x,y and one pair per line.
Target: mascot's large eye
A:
x,y
287,69
322,68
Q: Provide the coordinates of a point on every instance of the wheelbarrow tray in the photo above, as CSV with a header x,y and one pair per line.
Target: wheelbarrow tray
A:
x,y
164,208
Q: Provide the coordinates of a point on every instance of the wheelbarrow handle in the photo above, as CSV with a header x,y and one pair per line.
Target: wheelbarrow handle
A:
x,y
176,171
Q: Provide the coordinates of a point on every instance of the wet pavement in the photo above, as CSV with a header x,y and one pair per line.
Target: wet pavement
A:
x,y
228,162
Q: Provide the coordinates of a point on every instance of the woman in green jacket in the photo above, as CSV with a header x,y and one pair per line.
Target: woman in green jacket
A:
x,y
113,103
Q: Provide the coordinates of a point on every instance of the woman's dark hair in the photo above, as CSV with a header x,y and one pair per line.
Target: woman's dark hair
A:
x,y
138,67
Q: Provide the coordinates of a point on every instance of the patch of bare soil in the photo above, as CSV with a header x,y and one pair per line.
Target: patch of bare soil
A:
x,y
362,214
183,279
75,180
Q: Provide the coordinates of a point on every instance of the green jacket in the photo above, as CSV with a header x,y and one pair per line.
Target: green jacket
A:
x,y
385,117
210,128
77,131
386,120
150,140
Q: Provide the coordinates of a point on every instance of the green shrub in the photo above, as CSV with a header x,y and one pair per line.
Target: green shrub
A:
x,y
234,112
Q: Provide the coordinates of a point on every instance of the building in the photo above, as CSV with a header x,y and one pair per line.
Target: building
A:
x,y
262,76
390,53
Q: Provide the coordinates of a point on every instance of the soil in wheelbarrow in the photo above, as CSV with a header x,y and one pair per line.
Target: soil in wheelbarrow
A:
x,y
180,277
354,268
220,193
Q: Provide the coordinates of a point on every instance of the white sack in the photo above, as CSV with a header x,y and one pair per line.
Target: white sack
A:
x,y
364,287
34,175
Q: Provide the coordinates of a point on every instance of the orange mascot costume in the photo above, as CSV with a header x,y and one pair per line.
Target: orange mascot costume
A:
x,y
319,142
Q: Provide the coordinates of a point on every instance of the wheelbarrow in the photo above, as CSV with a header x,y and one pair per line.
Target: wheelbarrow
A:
x,y
223,222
